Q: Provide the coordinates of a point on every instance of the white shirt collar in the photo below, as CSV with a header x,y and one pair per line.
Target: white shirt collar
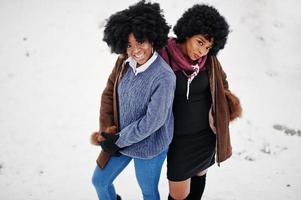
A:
x,y
143,67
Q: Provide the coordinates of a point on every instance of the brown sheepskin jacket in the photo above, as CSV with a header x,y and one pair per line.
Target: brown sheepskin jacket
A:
x,y
225,106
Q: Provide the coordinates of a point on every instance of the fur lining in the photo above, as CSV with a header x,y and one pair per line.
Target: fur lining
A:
x,y
234,105
96,138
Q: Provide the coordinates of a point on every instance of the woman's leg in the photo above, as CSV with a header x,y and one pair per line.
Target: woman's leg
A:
x,y
148,174
179,190
103,178
197,187
190,189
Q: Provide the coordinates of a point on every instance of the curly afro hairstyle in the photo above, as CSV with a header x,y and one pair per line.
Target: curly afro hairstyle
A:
x,y
205,20
144,20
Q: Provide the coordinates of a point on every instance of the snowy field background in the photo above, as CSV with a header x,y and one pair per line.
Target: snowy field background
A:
x,y
54,65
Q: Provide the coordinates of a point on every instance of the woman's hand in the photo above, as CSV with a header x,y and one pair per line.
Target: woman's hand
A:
x,y
96,137
108,145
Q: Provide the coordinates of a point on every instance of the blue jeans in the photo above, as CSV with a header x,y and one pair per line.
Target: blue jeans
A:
x,y
147,173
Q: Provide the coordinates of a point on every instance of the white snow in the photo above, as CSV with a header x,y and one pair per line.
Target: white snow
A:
x,y
54,66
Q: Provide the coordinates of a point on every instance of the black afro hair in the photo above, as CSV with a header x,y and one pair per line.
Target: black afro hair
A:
x,y
205,20
144,20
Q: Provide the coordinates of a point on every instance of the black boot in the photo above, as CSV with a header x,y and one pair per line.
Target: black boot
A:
x,y
197,186
118,197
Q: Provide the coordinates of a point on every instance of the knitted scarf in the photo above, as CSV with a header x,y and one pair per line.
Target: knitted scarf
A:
x,y
172,54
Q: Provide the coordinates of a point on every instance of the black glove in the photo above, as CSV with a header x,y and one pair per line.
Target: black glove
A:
x,y
109,145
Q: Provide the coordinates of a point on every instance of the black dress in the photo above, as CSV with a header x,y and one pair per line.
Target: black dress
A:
x,y
193,146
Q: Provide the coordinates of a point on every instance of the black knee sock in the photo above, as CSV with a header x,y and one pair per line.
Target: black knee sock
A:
x,y
170,198
197,186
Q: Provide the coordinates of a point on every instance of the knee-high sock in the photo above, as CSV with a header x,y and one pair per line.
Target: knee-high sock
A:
x,y
197,186
170,198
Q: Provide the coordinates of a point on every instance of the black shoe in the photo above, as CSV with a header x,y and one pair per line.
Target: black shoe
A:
x,y
118,197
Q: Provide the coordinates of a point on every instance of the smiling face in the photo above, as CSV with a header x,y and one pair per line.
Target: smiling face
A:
x,y
139,51
196,46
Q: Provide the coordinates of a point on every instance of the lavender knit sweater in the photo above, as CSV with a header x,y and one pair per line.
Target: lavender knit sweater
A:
x,y
145,110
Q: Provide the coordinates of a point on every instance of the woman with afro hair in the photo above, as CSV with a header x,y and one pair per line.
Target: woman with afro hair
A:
x,y
136,102
203,104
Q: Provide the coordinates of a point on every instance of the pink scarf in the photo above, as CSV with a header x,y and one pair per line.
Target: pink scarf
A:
x,y
175,58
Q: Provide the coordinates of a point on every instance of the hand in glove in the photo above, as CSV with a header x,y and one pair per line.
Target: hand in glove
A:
x,y
96,136
109,145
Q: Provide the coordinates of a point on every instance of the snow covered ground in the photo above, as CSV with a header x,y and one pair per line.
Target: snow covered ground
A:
x,y
54,65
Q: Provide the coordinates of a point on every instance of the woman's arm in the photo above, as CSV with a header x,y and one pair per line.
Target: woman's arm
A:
x,y
232,100
106,113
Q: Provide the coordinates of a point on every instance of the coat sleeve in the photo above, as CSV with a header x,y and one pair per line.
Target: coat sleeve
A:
x,y
224,76
233,101
106,113
160,105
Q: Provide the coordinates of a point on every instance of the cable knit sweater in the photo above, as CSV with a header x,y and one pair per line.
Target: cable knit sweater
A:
x,y
145,110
